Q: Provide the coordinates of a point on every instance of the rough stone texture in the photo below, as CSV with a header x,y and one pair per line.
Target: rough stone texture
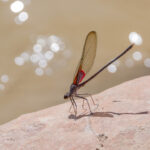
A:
x,y
121,122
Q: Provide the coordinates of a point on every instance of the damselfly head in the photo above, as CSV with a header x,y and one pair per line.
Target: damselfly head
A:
x,y
71,92
66,96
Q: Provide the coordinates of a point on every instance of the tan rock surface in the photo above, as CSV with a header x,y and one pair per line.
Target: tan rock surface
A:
x,y
121,122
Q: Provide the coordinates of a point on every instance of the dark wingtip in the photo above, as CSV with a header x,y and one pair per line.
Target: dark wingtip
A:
x,y
92,32
132,45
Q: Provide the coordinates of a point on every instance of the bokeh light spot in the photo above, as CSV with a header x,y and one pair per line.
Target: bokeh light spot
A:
x,y
112,68
23,16
41,41
49,55
4,78
19,61
39,71
34,58
37,48
147,62
17,21
55,47
42,63
135,38
25,56
137,56
17,6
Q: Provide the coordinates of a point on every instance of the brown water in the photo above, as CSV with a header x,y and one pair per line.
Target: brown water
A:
x,y
70,21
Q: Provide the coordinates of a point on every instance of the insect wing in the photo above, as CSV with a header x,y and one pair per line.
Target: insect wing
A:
x,y
87,58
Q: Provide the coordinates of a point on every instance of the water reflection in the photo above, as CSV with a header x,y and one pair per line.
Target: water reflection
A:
x,y
19,61
55,47
34,58
23,16
49,55
112,68
147,62
42,55
4,78
25,56
41,41
42,63
135,38
37,48
137,56
17,6
39,71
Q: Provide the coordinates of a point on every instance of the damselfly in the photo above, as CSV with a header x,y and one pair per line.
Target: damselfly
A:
x,y
85,64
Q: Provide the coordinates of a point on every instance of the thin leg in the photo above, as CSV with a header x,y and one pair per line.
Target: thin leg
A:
x,y
74,105
86,94
71,105
83,106
86,101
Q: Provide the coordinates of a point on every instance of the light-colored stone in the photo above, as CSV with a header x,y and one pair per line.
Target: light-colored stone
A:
x,y
121,122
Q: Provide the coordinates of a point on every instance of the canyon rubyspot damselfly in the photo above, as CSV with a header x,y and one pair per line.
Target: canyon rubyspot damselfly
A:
x,y
85,64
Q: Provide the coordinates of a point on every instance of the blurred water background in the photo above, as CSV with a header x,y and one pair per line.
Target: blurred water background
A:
x,y
41,43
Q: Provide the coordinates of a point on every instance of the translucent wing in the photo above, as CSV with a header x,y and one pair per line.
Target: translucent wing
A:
x,y
87,58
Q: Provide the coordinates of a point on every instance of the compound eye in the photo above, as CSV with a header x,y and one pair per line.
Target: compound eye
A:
x,y
65,96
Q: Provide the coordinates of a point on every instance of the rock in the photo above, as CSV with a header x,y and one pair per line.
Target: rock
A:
x,y
121,122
